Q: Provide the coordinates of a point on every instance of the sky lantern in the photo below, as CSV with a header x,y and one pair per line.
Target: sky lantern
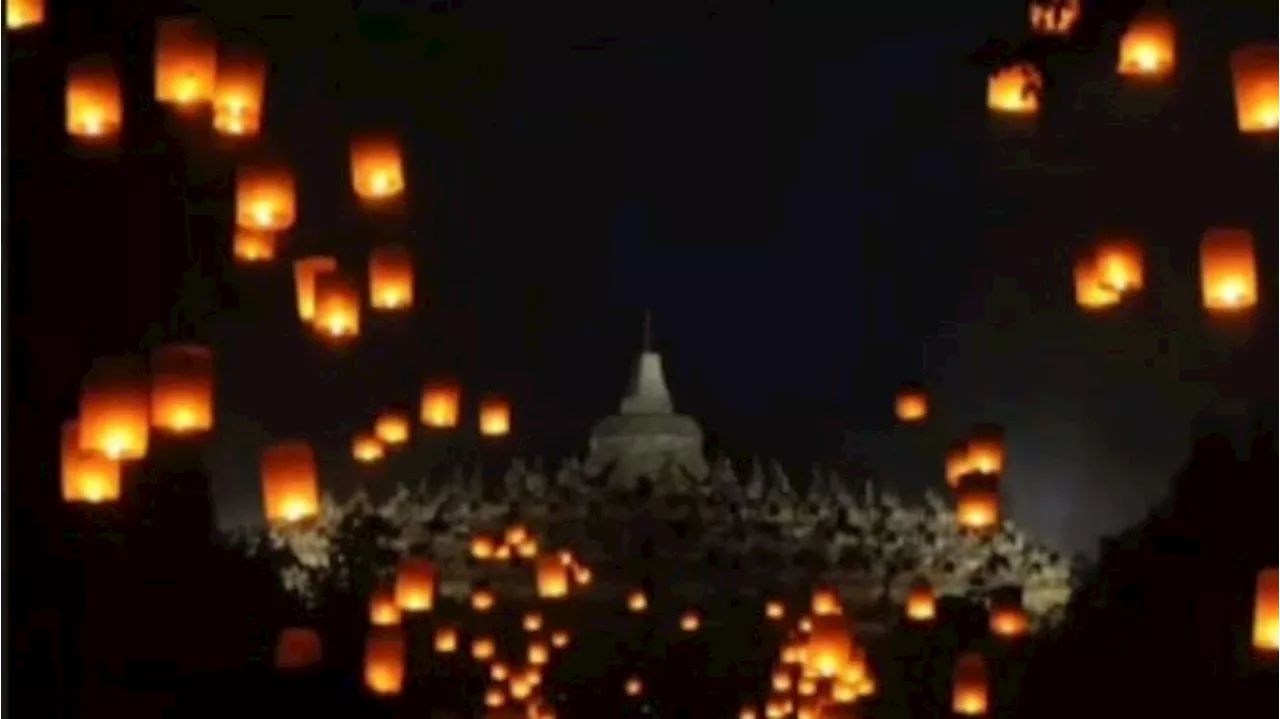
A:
x,y
482,600
290,482
922,603
775,610
298,648
956,462
377,168
633,687
781,680
337,310
392,427
1228,275
87,475
186,62
911,404
825,601
1015,90
21,14
986,450
1007,617
483,649
182,389
482,547
1266,611
495,417
383,610
94,106
390,278
239,93
384,661
531,622
415,585
538,653
1119,264
1147,48
367,449
1053,17
266,198
1090,291
305,271
560,639
829,645
115,408
690,621
978,503
1255,82
441,404
969,690
250,247
445,640
552,577
637,601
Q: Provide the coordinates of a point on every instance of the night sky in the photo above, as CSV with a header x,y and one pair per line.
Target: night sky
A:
x,y
814,205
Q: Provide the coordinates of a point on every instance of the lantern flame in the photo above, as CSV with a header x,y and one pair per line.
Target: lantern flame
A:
x,y
87,475
440,405
265,198
495,418
1015,90
94,107
186,62
1228,274
22,14
1256,85
290,485
1147,48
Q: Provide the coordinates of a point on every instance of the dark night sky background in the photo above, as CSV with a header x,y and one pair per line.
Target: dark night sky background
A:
x,y
812,202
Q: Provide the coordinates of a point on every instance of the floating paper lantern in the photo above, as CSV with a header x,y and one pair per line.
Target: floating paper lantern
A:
x,y
1256,84
115,408
482,547
1147,48
922,604
1009,622
482,600
537,654
1266,611
377,168
186,62
1091,293
441,402
238,94
690,621
482,649
290,485
298,648
87,475
94,107
775,610
495,418
829,645
445,640
384,661
415,585
390,278
986,450
825,601
527,549
531,622
560,639
1119,264
552,577
978,503
265,198
969,686
781,681
337,306
515,534
633,687
305,271
251,247
367,449
383,610
911,404
182,389
1228,274
22,14
956,464
1015,90
581,575
1054,17
637,601
392,427
494,698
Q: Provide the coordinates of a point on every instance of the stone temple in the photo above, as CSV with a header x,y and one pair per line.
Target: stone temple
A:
x,y
646,438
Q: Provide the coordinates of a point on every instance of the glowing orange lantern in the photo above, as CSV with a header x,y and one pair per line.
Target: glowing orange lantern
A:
x,y
253,246
482,547
415,585
337,306
482,649
957,462
538,654
528,549
977,503
1147,48
515,534
182,389
392,427
986,450
115,408
747,713
305,271
186,62
911,404
781,681
95,109
482,600
1120,265
1015,90
298,648
1228,274
1256,83
494,698
87,475
922,605
637,601
383,610
775,610
582,575
531,622
499,671
1009,621
377,169
495,418
367,449
445,640
560,639
390,278
690,621
1090,290
1266,611
290,487
633,687
502,553
440,405
20,14
238,93
265,198
969,686
829,645
552,577
826,601
384,661
805,625
1054,17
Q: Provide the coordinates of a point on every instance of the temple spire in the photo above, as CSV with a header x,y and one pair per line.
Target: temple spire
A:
x,y
648,391
648,329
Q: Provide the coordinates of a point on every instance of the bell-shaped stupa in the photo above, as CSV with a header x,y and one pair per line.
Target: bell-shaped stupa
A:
x,y
647,438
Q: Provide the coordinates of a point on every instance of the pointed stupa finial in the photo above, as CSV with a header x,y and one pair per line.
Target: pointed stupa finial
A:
x,y
648,391
648,329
